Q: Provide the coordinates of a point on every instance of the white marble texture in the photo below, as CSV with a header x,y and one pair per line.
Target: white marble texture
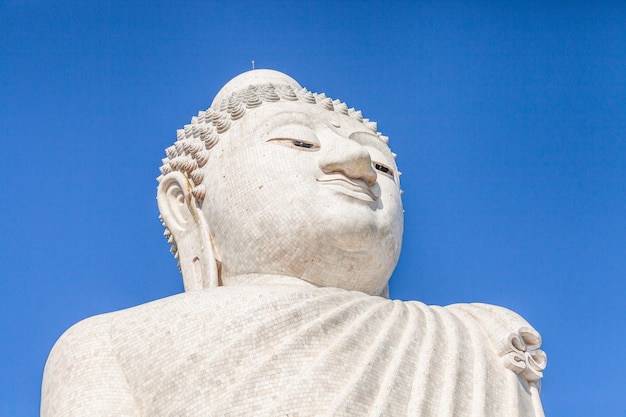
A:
x,y
283,208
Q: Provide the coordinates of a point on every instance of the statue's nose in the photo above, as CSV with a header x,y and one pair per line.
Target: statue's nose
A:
x,y
349,158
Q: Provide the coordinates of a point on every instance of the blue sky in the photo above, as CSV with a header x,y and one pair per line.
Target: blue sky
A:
x,y
509,121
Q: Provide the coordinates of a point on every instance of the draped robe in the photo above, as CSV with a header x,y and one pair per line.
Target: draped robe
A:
x,y
295,350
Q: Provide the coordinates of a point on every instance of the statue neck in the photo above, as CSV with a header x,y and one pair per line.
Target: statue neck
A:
x,y
263,279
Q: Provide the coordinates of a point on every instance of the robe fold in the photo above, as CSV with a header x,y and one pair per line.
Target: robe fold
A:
x,y
291,350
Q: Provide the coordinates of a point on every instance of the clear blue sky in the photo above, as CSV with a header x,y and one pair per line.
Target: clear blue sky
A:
x,y
509,122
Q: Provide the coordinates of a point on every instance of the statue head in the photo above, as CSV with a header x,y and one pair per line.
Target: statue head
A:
x,y
273,179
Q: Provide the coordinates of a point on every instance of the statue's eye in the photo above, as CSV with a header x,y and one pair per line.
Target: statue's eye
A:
x,y
304,145
295,136
382,168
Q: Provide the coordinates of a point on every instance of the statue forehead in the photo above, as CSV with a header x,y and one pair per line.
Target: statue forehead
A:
x,y
286,114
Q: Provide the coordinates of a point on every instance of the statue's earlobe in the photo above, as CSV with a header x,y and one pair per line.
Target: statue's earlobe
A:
x,y
187,224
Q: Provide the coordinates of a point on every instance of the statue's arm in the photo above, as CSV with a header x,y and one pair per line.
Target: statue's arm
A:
x,y
82,376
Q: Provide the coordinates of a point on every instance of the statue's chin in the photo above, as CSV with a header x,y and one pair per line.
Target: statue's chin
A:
x,y
352,232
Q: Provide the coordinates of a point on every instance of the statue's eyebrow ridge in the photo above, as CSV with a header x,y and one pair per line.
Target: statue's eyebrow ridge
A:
x,y
368,139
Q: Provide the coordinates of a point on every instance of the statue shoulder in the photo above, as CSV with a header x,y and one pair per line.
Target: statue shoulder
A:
x,y
495,319
88,371
82,375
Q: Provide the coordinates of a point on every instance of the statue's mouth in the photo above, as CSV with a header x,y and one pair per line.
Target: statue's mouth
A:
x,y
351,187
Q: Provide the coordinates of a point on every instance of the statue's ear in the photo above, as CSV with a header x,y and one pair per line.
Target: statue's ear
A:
x,y
187,224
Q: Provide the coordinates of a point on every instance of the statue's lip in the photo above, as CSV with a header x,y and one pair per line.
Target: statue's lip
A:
x,y
352,187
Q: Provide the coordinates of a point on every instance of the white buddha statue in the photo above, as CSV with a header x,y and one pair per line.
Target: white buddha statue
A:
x,y
283,208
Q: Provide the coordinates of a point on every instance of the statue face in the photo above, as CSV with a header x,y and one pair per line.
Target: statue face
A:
x,y
297,190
